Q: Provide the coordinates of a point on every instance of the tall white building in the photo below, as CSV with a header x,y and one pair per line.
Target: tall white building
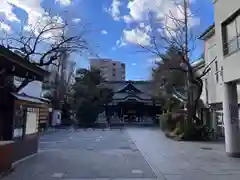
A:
x,y
222,41
110,70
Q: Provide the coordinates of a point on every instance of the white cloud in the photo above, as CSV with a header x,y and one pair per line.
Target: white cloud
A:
x,y
76,20
134,64
154,60
120,43
50,22
31,7
139,9
7,10
138,35
104,32
64,2
127,19
27,28
5,27
37,17
114,9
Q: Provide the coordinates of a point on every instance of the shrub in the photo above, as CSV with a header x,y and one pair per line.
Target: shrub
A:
x,y
170,121
197,133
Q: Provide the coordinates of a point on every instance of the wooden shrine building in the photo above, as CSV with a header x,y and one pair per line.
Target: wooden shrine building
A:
x,y
18,113
132,101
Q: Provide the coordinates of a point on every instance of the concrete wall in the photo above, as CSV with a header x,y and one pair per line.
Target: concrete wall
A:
x,y
215,89
223,10
210,52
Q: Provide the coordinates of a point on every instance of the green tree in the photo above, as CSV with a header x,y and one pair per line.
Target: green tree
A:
x,y
89,96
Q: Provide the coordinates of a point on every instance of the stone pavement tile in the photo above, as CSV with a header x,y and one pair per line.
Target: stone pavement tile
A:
x,y
226,177
202,177
134,179
183,160
187,177
82,157
217,170
112,179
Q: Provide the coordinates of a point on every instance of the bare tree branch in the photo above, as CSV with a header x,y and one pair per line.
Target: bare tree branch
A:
x,y
43,42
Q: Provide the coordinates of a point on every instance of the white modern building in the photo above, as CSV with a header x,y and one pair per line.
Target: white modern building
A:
x,y
222,41
110,70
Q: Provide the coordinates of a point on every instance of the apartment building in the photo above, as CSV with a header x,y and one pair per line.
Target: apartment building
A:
x,y
110,70
223,43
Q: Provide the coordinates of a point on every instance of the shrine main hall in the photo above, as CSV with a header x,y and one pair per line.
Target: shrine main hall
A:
x,y
132,100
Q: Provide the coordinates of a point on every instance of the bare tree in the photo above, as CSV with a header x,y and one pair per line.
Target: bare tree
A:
x,y
43,43
176,33
61,79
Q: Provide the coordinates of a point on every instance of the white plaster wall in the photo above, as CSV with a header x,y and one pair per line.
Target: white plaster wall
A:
x,y
223,10
215,93
215,90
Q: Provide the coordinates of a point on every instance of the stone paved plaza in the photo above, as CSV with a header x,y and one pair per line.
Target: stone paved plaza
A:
x,y
132,153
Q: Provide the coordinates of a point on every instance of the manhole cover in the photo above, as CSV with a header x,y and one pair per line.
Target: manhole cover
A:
x,y
206,148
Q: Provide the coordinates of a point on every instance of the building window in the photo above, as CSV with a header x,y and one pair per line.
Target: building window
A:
x,y
231,34
114,74
114,64
216,71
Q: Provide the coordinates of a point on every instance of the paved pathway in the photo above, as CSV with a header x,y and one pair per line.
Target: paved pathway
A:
x,y
66,155
173,160
133,153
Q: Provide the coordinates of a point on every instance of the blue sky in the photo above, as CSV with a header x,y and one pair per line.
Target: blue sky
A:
x,y
117,25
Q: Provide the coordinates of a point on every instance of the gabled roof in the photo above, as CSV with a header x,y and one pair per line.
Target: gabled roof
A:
x,y
18,66
129,88
24,97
